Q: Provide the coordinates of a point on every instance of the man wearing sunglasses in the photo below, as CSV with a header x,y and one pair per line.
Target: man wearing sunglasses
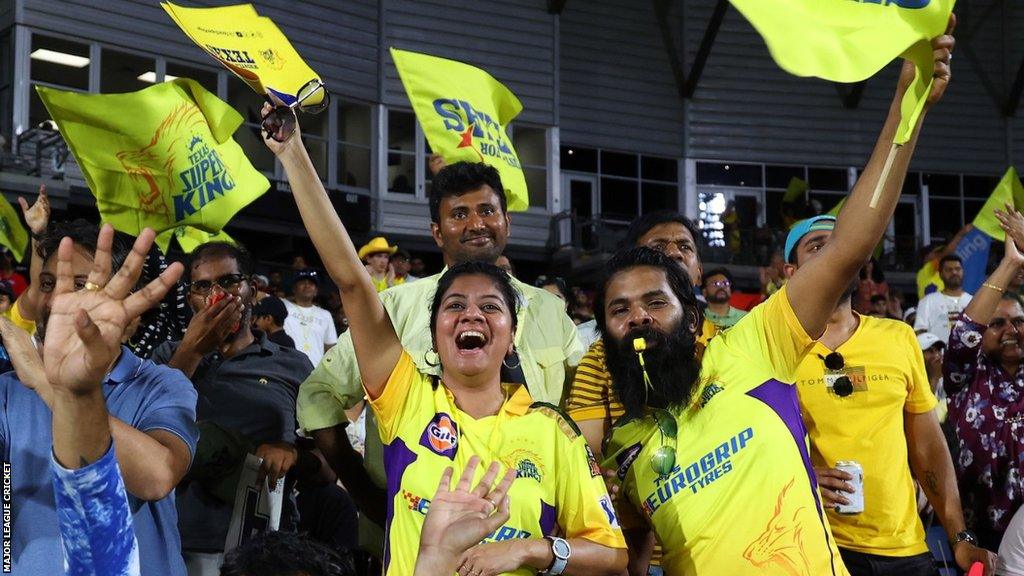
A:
x,y
865,396
712,453
247,389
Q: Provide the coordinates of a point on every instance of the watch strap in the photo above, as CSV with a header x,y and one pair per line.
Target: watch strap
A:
x,y
559,563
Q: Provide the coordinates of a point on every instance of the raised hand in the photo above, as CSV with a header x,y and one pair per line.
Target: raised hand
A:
x,y
38,216
84,330
285,135
459,519
942,51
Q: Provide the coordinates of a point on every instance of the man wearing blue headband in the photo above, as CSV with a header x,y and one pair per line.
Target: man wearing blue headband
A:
x,y
865,397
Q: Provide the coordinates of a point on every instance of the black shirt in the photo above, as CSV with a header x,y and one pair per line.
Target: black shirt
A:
x,y
281,338
252,393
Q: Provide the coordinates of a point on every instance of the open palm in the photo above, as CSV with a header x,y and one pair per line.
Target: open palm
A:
x,y
458,520
84,330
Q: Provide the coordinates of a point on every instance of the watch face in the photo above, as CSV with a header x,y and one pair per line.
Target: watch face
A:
x,y
560,548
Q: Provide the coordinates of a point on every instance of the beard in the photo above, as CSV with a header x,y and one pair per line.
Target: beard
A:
x,y
672,366
954,283
717,297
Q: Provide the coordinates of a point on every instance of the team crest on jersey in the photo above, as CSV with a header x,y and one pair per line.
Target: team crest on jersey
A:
x,y
441,436
526,463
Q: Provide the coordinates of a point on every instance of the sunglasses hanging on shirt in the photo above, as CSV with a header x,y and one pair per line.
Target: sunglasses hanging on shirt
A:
x,y
842,385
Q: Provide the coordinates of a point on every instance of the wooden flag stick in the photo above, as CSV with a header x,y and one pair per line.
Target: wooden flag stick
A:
x,y
885,175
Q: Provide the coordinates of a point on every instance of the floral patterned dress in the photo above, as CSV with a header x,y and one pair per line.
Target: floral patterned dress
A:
x,y
986,408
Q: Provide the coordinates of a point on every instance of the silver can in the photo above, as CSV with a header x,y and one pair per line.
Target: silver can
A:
x,y
856,498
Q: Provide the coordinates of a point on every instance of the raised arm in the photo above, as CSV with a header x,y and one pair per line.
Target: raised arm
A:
x,y
377,347
37,217
815,288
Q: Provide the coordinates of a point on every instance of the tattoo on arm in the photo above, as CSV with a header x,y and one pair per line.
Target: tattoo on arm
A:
x,y
931,482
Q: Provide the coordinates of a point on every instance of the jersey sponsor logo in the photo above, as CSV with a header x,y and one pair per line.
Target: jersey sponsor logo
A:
x,y
441,436
422,505
526,468
416,503
699,474
709,392
609,510
626,458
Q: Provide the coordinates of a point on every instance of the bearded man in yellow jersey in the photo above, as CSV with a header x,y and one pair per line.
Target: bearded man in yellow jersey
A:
x,y
865,397
712,454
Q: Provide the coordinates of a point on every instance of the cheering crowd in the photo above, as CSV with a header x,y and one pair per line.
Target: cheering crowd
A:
x,y
669,435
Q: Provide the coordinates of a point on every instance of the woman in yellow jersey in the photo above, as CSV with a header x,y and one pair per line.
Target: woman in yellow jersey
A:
x,y
428,424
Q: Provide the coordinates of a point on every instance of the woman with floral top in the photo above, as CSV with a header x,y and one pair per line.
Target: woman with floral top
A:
x,y
983,376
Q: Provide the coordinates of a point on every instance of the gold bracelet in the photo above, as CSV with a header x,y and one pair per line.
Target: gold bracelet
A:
x,y
994,287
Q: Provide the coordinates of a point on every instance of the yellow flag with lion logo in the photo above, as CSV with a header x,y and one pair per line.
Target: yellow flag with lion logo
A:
x,y
464,113
162,157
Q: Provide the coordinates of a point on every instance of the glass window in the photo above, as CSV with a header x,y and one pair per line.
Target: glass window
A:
x,y
248,103
123,72
579,159
537,186
207,78
773,208
822,203
655,196
354,123
655,168
827,179
354,166
711,206
779,176
317,149
60,62
401,152
980,186
942,185
945,216
912,185
619,198
531,145
250,138
729,174
617,164
971,208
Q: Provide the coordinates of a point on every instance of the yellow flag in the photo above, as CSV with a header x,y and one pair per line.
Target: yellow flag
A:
x,y
190,238
1008,191
851,40
796,190
12,233
464,112
249,45
162,157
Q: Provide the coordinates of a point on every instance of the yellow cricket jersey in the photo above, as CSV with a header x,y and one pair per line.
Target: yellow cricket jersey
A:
x,y
742,498
884,362
558,483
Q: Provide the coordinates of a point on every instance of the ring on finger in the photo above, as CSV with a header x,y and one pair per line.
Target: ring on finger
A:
x,y
92,287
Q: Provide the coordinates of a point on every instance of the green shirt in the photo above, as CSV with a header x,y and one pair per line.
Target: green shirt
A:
x,y
726,320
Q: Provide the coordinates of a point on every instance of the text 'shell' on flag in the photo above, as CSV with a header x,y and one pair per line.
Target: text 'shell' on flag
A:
x,y
851,40
464,113
161,158
249,45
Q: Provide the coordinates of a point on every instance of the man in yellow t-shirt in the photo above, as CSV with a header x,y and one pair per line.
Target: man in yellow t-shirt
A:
x,y
865,397
558,486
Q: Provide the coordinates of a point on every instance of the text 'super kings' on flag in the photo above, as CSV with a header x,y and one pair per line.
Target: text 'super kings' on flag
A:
x,y
851,40
162,157
464,112
12,233
249,45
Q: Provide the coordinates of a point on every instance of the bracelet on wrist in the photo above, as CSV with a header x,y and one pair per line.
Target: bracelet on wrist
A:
x,y
993,287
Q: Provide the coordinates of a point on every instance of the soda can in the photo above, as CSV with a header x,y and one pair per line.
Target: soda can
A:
x,y
856,498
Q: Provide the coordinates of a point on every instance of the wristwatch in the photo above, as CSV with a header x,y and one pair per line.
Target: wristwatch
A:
x,y
964,536
561,549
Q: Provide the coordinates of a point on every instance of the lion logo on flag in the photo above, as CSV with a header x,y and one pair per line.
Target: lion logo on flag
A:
x,y
153,164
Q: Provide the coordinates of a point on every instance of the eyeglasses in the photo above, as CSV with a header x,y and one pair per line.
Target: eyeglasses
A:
x,y
279,123
842,386
663,461
721,284
228,283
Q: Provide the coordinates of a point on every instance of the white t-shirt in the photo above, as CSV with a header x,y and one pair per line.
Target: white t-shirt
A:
x,y
312,328
936,313
1011,549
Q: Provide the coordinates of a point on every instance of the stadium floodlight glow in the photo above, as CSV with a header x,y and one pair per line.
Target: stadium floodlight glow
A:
x,y
61,58
151,77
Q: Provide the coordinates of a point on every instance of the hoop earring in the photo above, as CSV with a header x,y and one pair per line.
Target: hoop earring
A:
x,y
519,362
428,362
